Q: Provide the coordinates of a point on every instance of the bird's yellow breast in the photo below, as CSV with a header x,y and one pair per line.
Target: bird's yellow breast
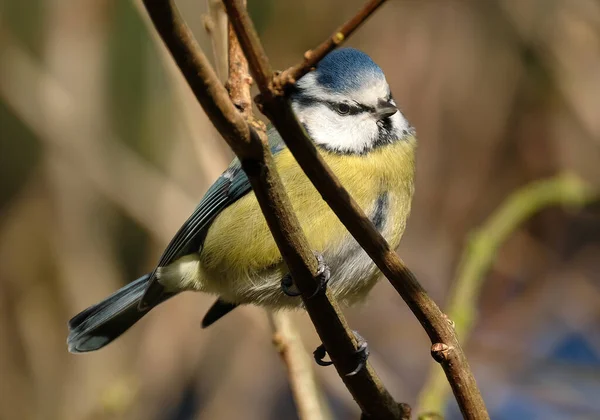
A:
x,y
240,241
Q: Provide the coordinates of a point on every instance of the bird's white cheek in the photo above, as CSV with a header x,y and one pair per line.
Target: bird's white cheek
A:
x,y
399,122
323,124
346,133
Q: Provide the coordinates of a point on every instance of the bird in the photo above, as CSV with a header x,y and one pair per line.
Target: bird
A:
x,y
225,247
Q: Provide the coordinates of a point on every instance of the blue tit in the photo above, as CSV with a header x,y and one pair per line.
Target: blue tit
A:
x,y
226,249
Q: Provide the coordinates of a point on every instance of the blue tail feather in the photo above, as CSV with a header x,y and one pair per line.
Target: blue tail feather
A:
x,y
100,324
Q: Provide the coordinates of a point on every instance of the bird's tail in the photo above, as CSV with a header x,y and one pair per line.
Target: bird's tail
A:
x,y
100,324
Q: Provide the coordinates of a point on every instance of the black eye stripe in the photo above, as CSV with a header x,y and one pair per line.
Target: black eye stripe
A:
x,y
303,100
352,109
355,108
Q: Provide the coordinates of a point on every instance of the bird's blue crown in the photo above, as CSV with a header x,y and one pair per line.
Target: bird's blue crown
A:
x,y
346,69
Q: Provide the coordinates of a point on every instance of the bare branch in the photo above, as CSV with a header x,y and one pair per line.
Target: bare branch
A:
x,y
257,162
239,81
288,343
435,323
248,39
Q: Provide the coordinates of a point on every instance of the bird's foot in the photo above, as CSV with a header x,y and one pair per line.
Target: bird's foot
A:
x,y
362,353
322,277
288,287
319,354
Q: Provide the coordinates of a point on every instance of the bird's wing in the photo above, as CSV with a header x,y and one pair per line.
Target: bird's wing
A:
x,y
227,189
232,185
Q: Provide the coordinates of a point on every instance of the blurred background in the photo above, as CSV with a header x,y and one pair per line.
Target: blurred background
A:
x,y
104,153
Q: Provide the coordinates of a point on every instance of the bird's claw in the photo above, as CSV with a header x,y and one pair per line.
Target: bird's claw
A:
x,y
362,353
319,354
288,287
322,277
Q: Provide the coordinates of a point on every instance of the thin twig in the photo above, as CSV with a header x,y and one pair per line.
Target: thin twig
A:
x,y
239,81
257,162
287,341
445,349
312,57
479,253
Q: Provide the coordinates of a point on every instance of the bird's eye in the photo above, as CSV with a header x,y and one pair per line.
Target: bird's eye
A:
x,y
342,108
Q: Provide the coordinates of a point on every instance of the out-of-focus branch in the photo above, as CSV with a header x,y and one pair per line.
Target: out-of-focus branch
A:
x,y
287,341
253,150
479,253
215,24
445,349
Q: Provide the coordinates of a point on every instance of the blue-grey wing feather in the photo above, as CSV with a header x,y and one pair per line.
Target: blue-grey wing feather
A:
x,y
228,188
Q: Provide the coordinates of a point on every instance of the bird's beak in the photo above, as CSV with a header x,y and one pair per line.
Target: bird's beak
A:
x,y
385,109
